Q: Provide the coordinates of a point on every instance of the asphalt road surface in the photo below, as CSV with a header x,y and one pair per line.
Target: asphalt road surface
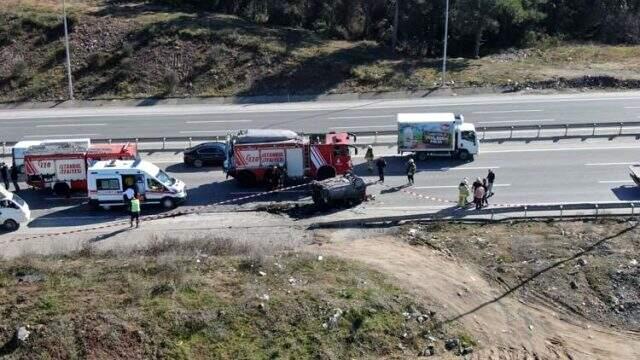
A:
x,y
546,172
217,120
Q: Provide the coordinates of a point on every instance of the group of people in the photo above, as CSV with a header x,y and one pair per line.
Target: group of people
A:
x,y
7,174
381,164
481,189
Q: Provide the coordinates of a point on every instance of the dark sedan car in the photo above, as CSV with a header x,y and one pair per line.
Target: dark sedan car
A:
x,y
211,153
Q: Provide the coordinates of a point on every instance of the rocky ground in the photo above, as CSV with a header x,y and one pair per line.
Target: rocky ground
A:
x,y
139,50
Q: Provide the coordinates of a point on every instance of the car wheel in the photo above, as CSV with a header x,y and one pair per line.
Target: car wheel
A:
x,y
168,203
197,163
11,225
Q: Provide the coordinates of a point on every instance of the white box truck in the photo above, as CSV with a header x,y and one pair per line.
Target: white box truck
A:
x,y
437,134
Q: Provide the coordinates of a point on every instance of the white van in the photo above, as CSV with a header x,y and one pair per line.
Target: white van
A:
x,y
13,210
107,180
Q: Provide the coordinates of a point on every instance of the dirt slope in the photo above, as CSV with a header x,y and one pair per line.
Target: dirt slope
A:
x,y
507,328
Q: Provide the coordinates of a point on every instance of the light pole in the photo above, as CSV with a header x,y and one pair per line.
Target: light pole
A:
x,y
446,35
66,45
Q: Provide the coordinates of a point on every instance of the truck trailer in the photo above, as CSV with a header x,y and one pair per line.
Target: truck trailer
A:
x,y
253,154
437,134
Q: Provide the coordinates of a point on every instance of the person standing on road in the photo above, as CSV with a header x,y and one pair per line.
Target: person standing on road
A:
x,y
4,173
14,177
478,195
463,193
128,195
411,170
491,177
381,164
135,211
485,185
368,156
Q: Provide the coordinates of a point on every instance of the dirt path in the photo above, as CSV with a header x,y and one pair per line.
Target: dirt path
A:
x,y
506,328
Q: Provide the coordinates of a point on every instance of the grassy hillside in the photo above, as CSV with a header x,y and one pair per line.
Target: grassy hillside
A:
x,y
122,50
209,299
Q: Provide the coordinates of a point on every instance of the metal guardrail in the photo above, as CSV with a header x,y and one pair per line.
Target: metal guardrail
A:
x,y
523,212
588,129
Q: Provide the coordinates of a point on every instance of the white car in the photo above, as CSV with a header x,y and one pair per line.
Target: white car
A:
x,y
13,210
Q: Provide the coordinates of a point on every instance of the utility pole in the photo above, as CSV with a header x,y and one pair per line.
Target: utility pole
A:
x,y
446,35
66,45
394,40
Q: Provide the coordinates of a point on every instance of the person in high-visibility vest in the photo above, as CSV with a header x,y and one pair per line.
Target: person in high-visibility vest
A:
x,y
135,210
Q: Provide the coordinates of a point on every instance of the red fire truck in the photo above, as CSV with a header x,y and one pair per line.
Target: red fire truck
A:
x,y
253,154
63,166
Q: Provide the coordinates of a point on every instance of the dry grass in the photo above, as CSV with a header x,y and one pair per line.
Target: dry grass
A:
x,y
207,299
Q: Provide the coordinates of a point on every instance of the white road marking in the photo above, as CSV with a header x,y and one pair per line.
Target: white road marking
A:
x,y
57,135
206,131
364,127
611,164
68,125
632,107
504,111
514,121
615,182
361,117
471,168
451,186
260,192
560,149
217,121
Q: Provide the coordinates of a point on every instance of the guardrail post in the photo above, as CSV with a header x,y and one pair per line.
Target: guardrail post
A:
x,y
492,214
620,129
633,209
190,138
484,131
525,211
566,130
561,210
594,129
539,129
511,133
4,144
164,143
375,138
137,141
109,140
597,211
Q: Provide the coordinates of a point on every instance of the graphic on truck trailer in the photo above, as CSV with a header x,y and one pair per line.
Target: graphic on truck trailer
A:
x,y
426,136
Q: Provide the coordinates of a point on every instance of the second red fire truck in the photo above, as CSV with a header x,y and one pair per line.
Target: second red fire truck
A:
x,y
253,154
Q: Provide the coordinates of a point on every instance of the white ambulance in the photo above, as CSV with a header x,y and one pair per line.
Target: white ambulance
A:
x,y
107,181
13,210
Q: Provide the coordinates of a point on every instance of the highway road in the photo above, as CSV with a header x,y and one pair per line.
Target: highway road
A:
x,y
217,120
546,172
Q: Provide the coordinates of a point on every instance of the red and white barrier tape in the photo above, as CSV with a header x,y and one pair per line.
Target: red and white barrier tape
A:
x,y
186,211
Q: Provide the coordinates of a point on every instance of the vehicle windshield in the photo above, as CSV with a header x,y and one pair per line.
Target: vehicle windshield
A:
x,y
165,179
18,200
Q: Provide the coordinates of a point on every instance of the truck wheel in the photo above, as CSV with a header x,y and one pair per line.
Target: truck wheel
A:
x,y
246,178
11,225
61,189
197,163
168,203
325,172
464,155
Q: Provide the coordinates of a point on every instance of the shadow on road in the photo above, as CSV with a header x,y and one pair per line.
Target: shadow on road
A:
x,y
627,192
182,168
